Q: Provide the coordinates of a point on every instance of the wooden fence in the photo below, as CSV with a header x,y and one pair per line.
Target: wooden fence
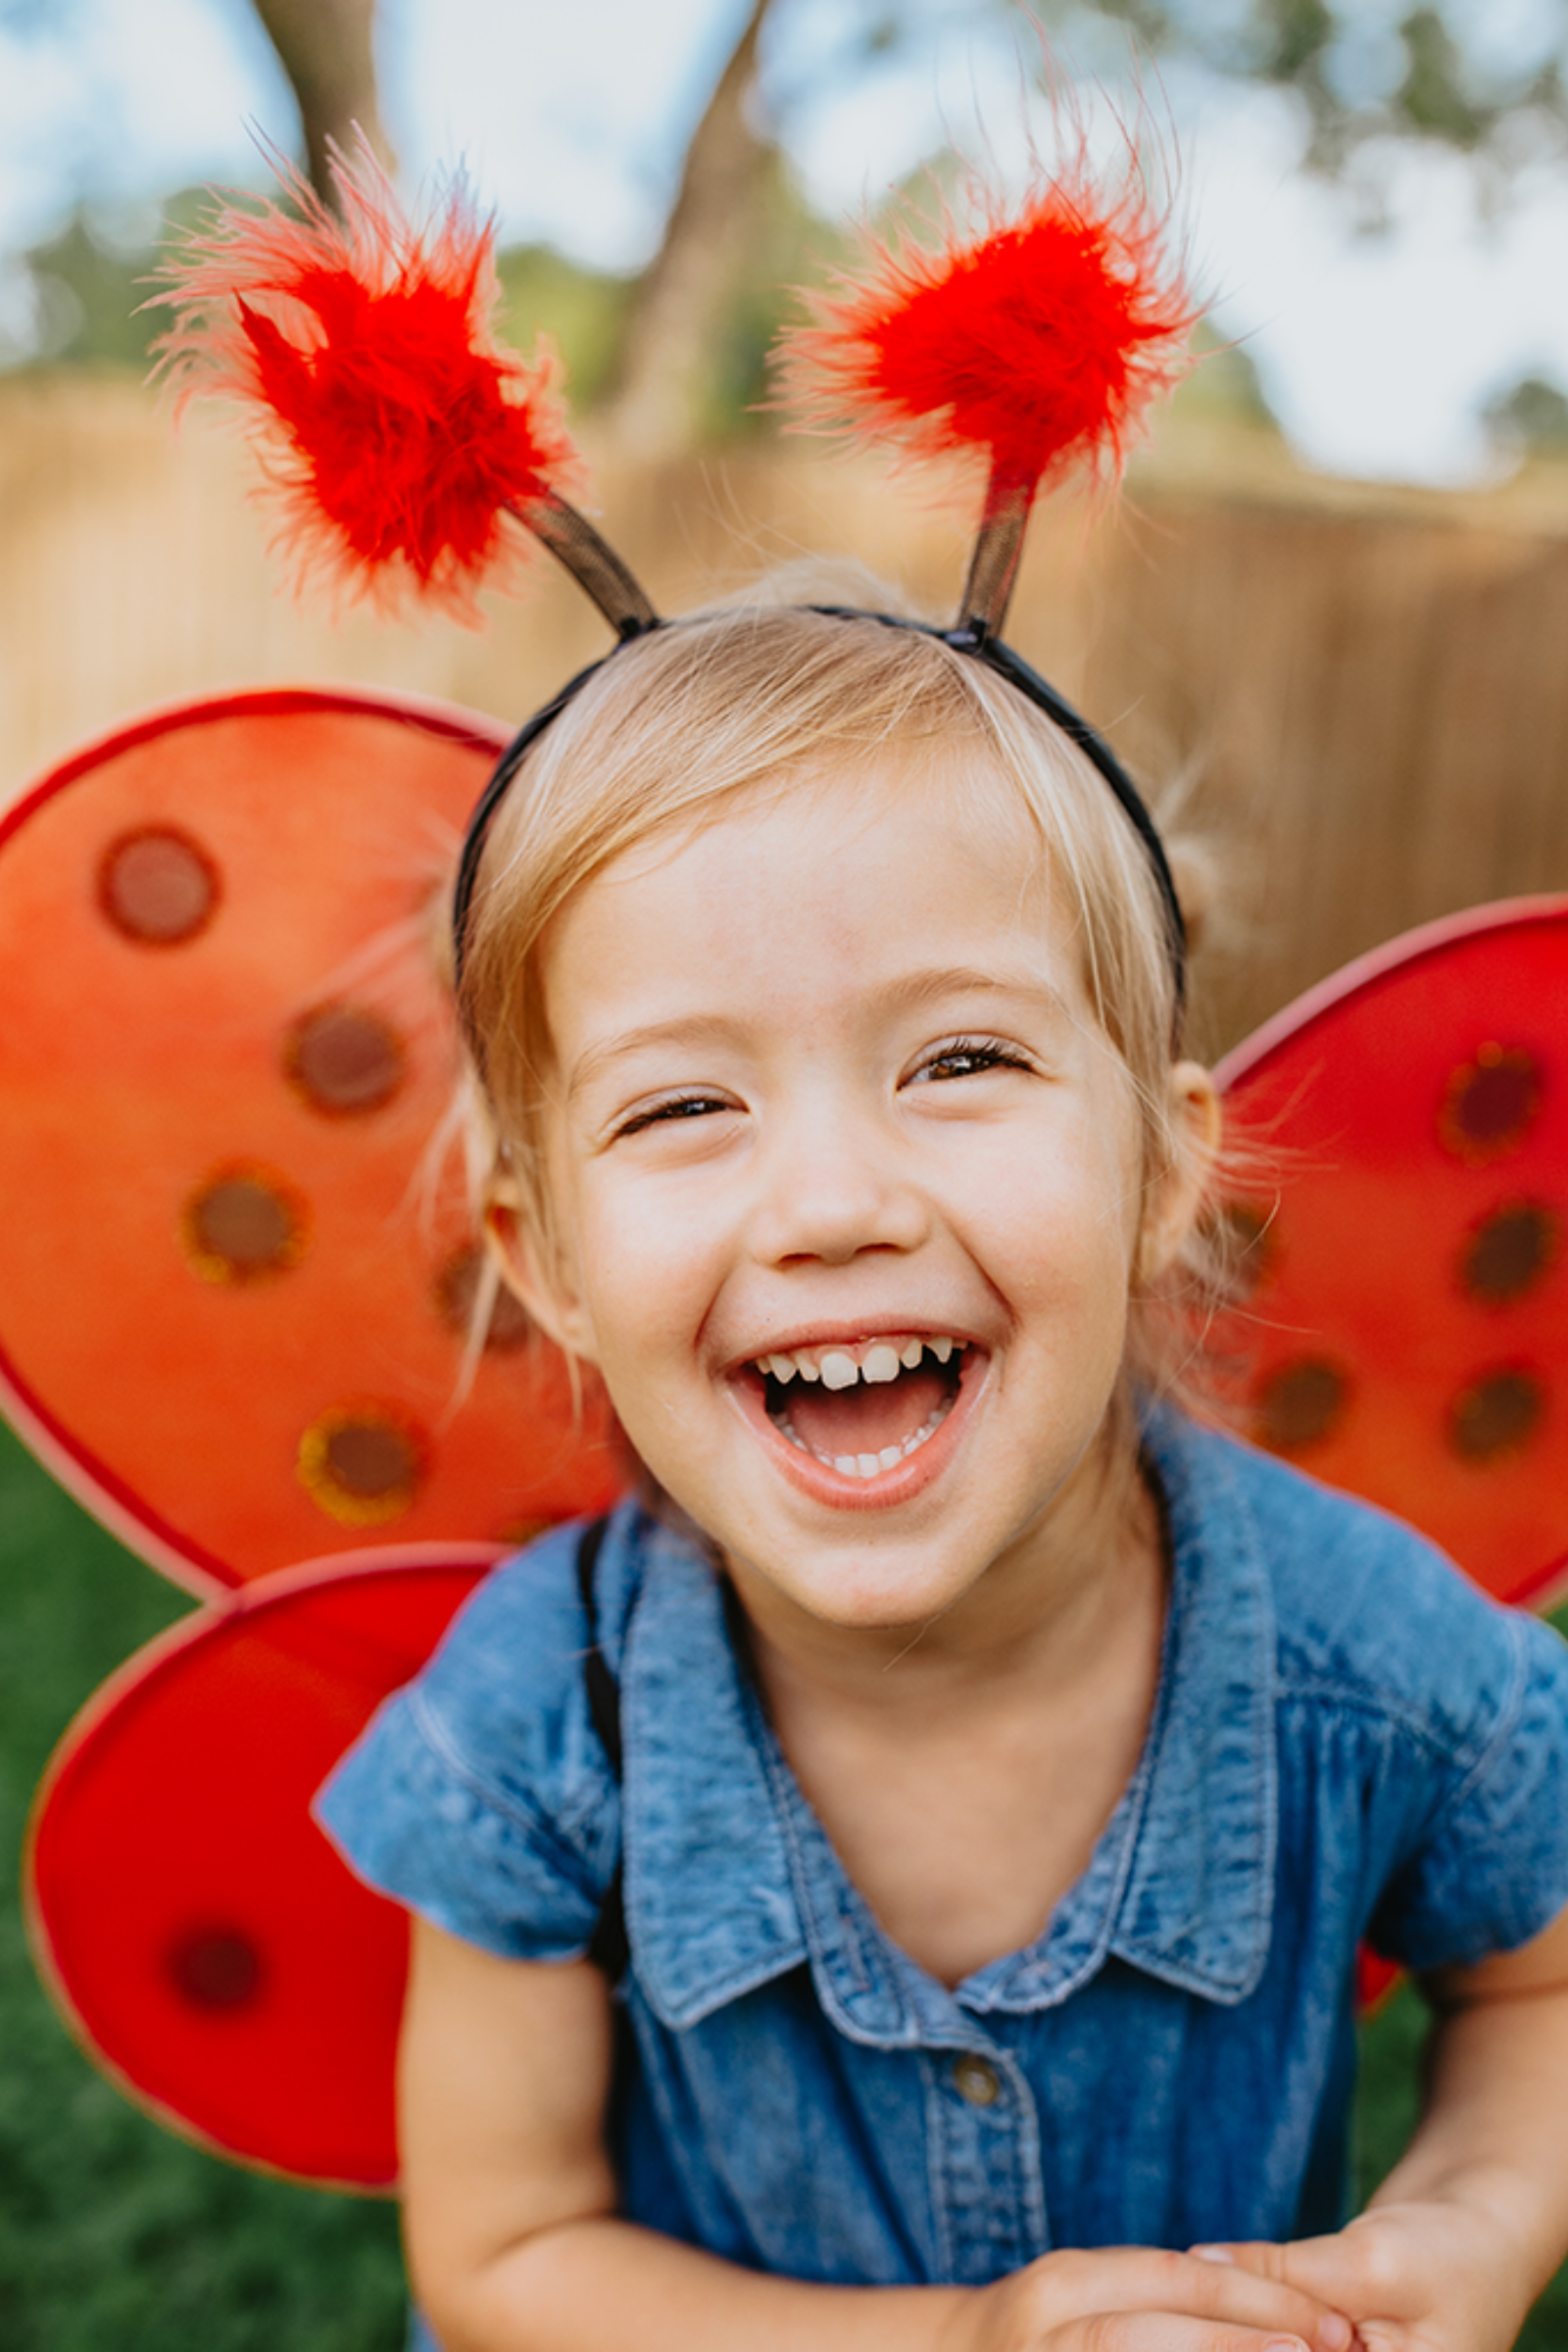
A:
x,y
1363,695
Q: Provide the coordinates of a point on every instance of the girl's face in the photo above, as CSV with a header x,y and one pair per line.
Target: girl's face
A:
x,y
847,1186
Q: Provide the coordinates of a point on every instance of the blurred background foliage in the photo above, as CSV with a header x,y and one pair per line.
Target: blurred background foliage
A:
x,y
1489,80
96,306
674,357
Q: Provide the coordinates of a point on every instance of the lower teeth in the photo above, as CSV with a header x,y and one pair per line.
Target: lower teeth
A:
x,y
866,1465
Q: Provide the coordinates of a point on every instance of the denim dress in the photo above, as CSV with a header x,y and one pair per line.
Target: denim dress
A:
x,y
1348,1741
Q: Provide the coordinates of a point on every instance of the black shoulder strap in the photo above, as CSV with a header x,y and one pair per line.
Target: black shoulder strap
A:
x,y
607,1948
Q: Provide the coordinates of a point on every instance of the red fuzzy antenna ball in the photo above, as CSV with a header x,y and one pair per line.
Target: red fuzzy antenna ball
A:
x,y
1037,346
400,436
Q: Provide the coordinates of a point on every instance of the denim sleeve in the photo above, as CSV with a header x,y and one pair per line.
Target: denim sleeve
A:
x,y
479,1795
1491,1870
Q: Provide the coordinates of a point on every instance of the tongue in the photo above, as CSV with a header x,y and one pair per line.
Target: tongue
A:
x,y
863,1420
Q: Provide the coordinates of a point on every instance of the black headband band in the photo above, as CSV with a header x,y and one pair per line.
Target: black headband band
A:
x,y
978,644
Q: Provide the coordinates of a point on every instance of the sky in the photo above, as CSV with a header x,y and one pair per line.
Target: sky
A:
x,y
1377,353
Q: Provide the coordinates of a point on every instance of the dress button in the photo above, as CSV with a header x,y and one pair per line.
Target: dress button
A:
x,y
978,2080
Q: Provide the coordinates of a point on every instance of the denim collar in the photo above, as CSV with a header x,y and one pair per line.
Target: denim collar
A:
x,y
731,1880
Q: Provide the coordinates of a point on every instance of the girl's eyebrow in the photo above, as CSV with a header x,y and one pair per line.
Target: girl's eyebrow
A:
x,y
1023,985
689,1029
910,992
912,989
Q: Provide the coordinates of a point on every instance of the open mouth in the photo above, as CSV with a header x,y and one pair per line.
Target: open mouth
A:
x,y
867,1408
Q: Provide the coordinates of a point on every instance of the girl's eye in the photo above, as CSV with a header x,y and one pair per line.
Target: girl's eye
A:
x,y
676,1106
970,1057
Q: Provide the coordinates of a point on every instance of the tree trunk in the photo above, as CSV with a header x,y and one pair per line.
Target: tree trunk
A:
x,y
326,48
653,401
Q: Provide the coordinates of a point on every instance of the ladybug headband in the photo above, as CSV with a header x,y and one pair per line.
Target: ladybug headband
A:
x,y
404,444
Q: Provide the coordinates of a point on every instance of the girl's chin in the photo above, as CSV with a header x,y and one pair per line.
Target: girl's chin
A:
x,y
896,1590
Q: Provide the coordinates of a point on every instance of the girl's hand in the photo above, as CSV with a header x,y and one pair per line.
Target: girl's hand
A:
x,y
1415,2276
1138,2299
1473,2220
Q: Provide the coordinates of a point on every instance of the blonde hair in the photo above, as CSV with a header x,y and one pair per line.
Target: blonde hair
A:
x,y
681,724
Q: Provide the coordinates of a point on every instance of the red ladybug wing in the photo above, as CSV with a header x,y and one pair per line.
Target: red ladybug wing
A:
x,y
201,1934
234,1260
1407,1330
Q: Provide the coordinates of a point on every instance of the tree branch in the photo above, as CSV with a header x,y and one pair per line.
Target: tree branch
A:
x,y
653,397
326,47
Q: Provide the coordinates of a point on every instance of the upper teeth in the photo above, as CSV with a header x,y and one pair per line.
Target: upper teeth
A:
x,y
877,1361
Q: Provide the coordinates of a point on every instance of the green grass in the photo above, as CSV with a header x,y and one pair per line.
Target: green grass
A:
x,y
115,2236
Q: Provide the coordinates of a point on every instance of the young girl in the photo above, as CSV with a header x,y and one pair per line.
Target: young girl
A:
x,y
995,1770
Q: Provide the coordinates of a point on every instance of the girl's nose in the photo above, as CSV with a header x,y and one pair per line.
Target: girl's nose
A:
x,y
831,1186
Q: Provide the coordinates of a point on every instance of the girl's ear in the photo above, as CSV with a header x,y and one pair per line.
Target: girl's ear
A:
x,y
536,1273
1177,1195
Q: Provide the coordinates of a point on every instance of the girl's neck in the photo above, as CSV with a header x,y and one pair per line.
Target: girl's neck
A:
x,y
964,1769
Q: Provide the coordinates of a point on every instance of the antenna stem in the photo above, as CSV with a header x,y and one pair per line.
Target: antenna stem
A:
x,y
994,565
592,563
